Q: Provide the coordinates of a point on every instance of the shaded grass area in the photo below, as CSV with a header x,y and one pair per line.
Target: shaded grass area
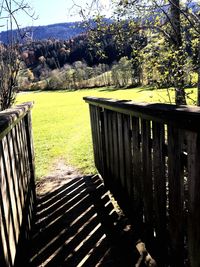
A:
x,y
61,124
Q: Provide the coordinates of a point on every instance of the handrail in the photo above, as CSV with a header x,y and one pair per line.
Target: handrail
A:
x,y
148,156
187,117
10,117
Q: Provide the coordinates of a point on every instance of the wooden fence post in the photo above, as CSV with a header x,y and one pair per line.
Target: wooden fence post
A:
x,y
31,155
194,198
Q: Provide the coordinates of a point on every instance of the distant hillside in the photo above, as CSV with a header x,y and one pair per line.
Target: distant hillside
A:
x,y
61,31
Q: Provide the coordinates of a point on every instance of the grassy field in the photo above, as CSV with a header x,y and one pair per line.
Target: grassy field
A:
x,y
61,125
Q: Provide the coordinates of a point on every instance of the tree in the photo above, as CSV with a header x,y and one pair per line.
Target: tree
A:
x,y
176,36
194,21
170,24
9,56
163,17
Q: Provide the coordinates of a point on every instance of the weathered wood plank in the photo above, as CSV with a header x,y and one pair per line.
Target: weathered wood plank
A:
x,y
96,127
99,139
106,156
160,189
9,208
14,186
20,162
25,151
16,169
147,184
111,149
184,117
194,198
128,155
92,119
176,196
137,203
99,125
23,158
115,149
6,257
120,132
10,117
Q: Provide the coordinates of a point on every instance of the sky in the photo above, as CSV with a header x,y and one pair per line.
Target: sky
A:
x,y
55,11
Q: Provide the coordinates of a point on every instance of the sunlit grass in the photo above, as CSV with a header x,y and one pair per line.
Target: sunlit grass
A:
x,y
61,125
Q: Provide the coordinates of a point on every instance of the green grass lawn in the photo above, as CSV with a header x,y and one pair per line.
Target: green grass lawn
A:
x,y
61,125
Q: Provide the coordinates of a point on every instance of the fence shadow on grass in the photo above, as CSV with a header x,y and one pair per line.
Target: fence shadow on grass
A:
x,y
77,225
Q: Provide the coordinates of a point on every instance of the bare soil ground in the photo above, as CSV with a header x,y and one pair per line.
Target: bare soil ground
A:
x,y
61,175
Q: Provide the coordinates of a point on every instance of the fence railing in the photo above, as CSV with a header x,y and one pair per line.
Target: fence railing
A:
x,y
149,157
17,186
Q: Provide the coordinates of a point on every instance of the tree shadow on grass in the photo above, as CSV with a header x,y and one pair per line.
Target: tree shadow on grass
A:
x,y
113,89
77,225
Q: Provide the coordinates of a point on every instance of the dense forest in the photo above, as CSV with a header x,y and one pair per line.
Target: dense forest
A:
x,y
125,58
156,45
60,31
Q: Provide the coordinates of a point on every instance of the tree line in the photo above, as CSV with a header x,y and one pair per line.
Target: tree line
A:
x,y
147,42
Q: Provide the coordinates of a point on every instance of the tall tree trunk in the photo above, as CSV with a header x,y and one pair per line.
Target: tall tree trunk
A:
x,y
198,71
177,44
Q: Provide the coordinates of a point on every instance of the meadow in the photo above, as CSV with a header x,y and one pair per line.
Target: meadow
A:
x,y
61,124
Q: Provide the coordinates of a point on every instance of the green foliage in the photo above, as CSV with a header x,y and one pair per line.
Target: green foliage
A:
x,y
122,73
170,31
161,64
9,67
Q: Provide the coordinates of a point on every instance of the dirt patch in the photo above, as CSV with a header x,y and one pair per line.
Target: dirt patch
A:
x,y
61,175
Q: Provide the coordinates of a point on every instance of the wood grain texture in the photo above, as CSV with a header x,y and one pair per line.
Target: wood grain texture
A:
x,y
17,183
176,196
152,153
194,198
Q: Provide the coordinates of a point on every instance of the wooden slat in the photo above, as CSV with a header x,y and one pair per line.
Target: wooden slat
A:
x,y
110,149
115,149
6,257
128,155
30,148
159,189
31,197
95,122
14,183
194,198
106,156
20,163
120,131
17,167
99,139
176,197
137,217
23,158
92,119
25,151
147,177
8,202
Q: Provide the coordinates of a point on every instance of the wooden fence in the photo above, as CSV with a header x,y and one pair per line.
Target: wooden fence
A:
x,y
17,186
149,157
